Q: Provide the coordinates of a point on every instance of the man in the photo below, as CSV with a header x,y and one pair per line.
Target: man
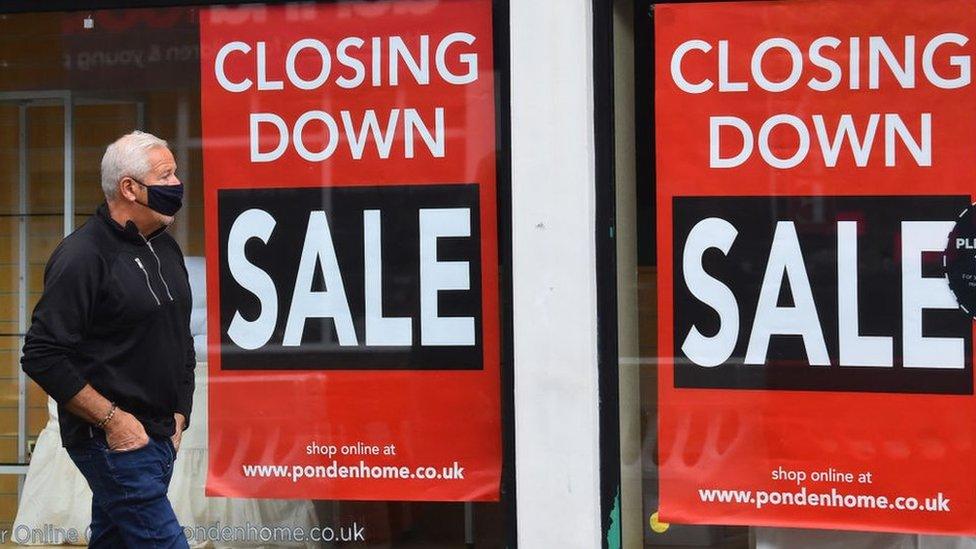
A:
x,y
110,342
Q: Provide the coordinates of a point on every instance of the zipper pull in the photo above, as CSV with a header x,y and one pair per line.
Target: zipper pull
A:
x,y
148,285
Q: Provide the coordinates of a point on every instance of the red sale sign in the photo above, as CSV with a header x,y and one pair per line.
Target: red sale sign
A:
x,y
350,195
815,366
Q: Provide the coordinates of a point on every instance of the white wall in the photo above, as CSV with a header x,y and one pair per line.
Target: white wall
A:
x,y
556,391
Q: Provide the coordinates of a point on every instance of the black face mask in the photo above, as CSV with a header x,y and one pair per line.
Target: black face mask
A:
x,y
165,199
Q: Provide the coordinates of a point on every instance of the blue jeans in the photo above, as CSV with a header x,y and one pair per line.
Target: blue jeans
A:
x,y
129,503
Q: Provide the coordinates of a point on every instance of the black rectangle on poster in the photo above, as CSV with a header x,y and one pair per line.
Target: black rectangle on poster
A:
x,y
796,358
377,234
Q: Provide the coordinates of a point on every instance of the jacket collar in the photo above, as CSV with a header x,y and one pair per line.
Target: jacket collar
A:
x,y
129,231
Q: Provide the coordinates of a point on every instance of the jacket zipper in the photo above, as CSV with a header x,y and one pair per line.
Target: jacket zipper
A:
x,y
159,268
148,285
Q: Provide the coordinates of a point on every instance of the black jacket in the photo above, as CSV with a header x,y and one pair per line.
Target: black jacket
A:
x,y
115,313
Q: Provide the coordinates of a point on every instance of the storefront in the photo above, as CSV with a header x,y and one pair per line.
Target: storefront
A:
x,y
472,273
800,324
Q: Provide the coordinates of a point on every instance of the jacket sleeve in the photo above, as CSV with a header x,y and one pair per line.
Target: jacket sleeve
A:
x,y
61,318
187,383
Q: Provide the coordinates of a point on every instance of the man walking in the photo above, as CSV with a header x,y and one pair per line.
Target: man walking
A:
x,y
110,342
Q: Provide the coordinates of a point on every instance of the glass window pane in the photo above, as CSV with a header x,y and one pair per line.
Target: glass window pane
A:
x,y
112,71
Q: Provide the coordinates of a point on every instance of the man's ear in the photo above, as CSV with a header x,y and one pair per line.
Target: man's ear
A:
x,y
127,189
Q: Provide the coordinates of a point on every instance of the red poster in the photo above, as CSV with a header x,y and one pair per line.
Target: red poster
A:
x,y
349,166
815,366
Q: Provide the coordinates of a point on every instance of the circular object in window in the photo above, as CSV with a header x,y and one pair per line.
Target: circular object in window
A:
x,y
959,260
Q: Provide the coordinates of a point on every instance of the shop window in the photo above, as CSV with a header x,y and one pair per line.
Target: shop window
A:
x,y
72,82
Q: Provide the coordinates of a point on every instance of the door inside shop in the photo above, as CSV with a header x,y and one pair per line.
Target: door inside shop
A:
x,y
41,157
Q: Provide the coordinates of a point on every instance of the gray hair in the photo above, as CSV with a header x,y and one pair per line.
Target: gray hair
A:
x,y
127,156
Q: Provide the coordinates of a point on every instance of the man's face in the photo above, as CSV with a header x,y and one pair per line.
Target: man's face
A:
x,y
162,171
